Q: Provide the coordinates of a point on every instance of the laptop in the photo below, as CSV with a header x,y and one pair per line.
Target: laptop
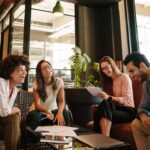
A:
x,y
99,141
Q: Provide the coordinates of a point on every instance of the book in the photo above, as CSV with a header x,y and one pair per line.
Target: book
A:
x,y
94,90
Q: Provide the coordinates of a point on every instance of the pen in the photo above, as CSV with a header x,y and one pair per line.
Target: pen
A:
x,y
42,118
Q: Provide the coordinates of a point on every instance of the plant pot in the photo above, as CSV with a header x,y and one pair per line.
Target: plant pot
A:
x,y
79,101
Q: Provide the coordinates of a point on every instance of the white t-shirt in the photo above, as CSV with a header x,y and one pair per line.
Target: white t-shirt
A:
x,y
6,104
51,102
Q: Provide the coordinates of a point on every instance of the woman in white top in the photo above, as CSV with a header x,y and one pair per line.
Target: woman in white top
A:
x,y
46,89
13,70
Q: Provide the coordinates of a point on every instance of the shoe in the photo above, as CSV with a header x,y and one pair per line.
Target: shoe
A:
x,y
32,135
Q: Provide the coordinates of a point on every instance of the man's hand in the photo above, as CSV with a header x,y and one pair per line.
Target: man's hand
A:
x,y
145,121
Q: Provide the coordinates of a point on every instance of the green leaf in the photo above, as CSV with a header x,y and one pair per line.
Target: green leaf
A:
x,y
87,58
96,66
80,63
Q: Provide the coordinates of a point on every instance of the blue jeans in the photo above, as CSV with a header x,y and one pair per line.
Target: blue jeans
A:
x,y
34,118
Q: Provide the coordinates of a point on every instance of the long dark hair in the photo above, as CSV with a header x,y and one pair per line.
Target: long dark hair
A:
x,y
107,82
41,87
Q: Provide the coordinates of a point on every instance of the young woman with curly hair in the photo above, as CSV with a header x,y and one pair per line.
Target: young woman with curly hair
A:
x,y
13,70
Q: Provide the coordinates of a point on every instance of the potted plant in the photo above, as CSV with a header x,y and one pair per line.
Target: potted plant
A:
x,y
81,63
79,100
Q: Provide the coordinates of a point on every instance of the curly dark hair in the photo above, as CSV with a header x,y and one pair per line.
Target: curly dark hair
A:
x,y
9,64
41,89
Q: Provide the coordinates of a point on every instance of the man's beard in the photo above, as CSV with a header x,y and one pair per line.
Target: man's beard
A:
x,y
144,77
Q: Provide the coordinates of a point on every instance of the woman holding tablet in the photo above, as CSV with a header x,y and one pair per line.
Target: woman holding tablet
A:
x,y
117,105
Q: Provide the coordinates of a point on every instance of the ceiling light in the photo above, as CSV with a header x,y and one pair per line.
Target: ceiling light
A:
x,y
58,9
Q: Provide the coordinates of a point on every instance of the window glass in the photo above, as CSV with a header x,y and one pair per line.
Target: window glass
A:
x,y
18,30
143,23
52,37
6,22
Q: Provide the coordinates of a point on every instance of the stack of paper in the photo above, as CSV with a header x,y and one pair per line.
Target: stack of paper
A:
x,y
56,134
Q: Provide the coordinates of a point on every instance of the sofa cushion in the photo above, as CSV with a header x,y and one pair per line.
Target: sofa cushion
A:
x,y
122,126
137,92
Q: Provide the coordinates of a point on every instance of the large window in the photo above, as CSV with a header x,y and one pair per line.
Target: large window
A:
x,y
17,30
143,23
52,37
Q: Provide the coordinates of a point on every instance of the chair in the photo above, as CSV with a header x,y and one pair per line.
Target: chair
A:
x,y
23,101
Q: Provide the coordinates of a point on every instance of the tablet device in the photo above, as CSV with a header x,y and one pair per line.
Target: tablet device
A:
x,y
94,90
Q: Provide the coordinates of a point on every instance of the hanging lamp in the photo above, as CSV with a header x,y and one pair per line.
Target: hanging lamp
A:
x,y
58,9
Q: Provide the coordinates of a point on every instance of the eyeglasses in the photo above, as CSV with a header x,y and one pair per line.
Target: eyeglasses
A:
x,y
105,68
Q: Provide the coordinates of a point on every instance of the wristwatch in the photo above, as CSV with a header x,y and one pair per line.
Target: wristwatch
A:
x,y
110,98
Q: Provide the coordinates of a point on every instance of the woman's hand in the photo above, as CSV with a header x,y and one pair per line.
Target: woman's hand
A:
x,y
32,107
49,115
16,110
103,95
59,118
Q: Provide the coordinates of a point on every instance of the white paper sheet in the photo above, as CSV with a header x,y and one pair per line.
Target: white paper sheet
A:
x,y
62,133
94,90
57,130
